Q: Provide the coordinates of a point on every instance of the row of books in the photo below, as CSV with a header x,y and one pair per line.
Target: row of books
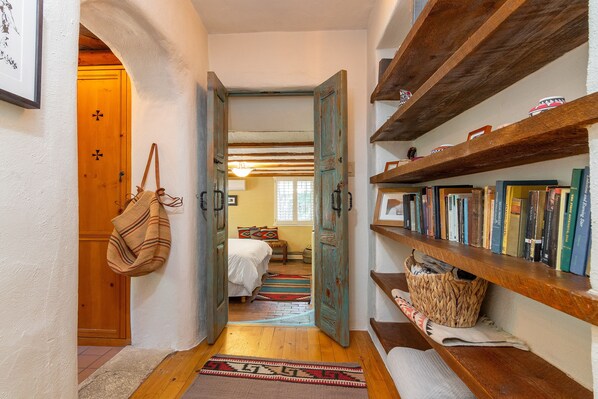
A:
x,y
533,219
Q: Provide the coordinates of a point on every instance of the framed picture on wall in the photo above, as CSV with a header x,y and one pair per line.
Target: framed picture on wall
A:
x,y
232,199
21,52
389,206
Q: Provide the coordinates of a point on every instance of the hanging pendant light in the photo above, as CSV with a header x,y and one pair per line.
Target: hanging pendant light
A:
x,y
242,170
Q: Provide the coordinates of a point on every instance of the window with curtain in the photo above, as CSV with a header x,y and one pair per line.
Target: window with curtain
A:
x,y
294,201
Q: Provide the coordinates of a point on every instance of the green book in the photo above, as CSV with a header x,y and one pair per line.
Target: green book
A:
x,y
570,223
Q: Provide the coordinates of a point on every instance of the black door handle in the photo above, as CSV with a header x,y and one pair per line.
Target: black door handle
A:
x,y
334,201
202,201
350,201
221,207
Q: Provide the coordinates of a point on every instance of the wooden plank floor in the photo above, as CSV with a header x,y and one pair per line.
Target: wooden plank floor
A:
x,y
178,371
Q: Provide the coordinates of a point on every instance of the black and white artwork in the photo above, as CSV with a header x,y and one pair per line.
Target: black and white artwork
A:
x,y
20,51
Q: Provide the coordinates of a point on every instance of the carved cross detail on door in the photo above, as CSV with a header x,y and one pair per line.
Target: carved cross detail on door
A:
x,y
97,155
97,115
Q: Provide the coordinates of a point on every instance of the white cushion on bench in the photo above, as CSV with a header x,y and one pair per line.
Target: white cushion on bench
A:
x,y
424,375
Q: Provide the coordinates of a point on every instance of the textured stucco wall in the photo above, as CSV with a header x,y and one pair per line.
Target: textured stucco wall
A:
x,y
163,46
38,210
592,87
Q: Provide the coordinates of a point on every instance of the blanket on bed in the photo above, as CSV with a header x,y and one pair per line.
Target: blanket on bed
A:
x,y
244,257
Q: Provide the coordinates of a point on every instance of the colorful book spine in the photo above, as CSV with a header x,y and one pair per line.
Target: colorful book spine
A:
x,y
425,213
466,221
477,218
412,211
406,211
571,221
488,209
452,236
534,226
499,207
581,242
563,210
515,218
551,223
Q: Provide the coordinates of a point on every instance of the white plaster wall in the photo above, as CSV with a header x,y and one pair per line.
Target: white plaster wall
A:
x,y
592,87
562,340
38,209
164,49
304,60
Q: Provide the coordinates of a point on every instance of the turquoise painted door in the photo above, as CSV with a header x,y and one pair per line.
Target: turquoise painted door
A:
x,y
331,292
214,204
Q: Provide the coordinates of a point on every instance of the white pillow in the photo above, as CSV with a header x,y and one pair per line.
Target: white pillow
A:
x,y
424,375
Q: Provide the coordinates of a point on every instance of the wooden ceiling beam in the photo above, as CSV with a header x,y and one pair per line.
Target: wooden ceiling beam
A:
x,y
276,175
270,154
272,145
269,160
91,43
92,58
277,165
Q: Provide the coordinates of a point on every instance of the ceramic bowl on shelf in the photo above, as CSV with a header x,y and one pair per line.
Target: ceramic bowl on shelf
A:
x,y
405,95
547,104
440,148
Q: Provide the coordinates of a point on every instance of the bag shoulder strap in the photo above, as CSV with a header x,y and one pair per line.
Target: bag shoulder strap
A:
x,y
153,152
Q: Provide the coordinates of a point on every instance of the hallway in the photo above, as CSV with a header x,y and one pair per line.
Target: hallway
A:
x,y
177,372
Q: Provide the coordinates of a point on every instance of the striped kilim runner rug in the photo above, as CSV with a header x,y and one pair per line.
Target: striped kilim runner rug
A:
x,y
256,378
286,287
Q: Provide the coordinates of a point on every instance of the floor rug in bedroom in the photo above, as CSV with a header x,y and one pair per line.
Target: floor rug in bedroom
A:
x,y
286,287
249,378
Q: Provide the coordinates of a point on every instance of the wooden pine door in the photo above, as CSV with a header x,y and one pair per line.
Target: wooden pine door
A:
x,y
215,205
104,158
331,294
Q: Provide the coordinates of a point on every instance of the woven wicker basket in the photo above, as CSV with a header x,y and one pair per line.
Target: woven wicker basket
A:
x,y
444,299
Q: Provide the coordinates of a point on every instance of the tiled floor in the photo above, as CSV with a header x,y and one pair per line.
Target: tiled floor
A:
x,y
90,358
275,313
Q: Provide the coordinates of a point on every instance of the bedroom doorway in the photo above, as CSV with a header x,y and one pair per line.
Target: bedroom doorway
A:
x,y
307,194
270,211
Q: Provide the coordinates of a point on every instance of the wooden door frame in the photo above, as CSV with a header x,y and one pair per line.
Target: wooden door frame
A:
x,y
125,160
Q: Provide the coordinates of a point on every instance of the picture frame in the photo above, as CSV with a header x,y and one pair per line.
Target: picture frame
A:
x,y
21,52
395,164
391,165
233,200
479,132
389,206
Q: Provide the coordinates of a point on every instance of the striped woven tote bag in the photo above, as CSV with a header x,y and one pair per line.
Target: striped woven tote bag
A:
x,y
140,242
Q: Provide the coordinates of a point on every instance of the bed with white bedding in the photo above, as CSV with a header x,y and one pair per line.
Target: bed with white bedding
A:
x,y
247,263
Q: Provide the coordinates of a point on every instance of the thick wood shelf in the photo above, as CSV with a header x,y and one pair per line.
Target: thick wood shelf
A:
x,y
490,372
519,38
404,335
558,133
430,42
566,292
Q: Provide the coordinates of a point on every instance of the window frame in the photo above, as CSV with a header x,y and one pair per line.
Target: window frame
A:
x,y
295,221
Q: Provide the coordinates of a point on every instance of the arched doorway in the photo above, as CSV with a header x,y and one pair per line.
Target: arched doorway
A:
x,y
168,81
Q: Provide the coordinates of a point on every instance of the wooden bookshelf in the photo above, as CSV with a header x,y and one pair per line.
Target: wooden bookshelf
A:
x,y
489,372
519,38
392,335
566,292
434,40
558,133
